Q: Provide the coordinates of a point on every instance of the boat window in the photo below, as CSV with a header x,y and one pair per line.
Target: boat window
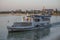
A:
x,y
42,23
46,19
36,20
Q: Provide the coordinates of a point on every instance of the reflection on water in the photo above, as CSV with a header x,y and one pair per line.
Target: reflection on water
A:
x,y
28,35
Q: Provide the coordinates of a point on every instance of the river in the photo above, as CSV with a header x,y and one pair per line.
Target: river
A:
x,y
46,34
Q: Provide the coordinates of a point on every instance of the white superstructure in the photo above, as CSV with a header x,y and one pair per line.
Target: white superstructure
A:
x,y
31,23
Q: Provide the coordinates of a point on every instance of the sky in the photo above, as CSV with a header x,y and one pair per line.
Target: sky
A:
x,y
28,4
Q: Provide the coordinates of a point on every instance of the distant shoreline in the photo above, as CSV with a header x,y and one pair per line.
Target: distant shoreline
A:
x,y
57,14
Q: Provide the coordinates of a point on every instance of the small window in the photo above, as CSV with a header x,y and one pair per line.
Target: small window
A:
x,y
46,19
42,24
36,20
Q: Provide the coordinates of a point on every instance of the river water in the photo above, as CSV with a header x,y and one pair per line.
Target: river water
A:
x,y
46,34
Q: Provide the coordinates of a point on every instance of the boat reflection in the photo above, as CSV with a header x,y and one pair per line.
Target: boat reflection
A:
x,y
28,35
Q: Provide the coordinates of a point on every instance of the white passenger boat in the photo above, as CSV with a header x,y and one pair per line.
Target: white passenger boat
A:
x,y
32,22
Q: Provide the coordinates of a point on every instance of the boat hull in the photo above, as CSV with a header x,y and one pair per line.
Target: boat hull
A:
x,y
10,29
24,29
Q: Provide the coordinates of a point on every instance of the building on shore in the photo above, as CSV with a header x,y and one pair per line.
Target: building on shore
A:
x,y
29,12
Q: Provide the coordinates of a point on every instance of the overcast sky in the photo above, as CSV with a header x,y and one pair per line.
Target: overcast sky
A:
x,y
28,4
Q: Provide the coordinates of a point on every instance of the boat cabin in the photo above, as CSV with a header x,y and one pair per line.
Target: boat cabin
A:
x,y
41,20
38,18
34,20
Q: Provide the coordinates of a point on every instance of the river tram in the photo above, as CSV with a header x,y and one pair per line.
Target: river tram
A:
x,y
32,22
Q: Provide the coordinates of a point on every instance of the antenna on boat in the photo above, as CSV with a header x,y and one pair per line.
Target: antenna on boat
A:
x,y
44,8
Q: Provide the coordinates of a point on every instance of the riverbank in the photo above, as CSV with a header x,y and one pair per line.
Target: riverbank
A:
x,y
17,14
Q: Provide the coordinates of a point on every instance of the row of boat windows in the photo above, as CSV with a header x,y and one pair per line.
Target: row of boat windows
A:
x,y
26,24
22,24
45,19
